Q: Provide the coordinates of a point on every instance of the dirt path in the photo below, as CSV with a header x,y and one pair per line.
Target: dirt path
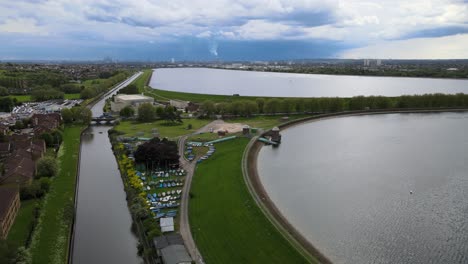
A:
x,y
185,231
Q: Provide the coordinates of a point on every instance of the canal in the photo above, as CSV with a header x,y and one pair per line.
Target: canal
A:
x,y
102,231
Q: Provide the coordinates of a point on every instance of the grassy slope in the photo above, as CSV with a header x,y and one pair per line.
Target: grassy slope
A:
x,y
131,128
164,95
50,241
140,82
20,229
226,223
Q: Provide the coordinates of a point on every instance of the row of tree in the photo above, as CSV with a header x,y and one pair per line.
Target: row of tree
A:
x,y
100,86
147,112
332,104
77,115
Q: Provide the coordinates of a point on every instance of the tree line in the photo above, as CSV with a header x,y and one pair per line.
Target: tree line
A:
x,y
331,104
148,112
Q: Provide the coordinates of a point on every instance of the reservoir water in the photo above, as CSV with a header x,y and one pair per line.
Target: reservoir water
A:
x,y
389,188
229,82
102,226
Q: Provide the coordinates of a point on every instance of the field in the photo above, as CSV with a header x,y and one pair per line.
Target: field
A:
x,y
226,223
132,128
27,98
51,237
20,230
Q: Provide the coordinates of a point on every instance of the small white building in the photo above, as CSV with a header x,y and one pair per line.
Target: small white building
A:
x,y
167,224
134,100
179,104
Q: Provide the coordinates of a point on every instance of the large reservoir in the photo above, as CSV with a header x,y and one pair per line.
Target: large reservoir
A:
x,y
386,188
248,83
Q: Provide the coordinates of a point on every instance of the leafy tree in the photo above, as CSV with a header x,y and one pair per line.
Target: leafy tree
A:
x,y
157,153
146,112
272,106
129,89
67,116
250,108
127,111
81,114
46,93
47,137
3,91
260,103
87,93
69,88
160,111
47,167
208,107
7,104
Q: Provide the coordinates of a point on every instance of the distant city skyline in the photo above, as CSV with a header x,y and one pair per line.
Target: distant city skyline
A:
x,y
232,30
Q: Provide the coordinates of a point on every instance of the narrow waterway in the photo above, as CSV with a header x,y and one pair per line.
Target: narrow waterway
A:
x,y
102,231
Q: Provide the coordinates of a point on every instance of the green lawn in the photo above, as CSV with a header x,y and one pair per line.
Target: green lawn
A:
x,y
226,223
27,98
132,128
50,240
20,230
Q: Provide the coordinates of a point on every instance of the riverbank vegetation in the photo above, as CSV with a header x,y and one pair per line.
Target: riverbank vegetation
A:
x,y
221,206
49,243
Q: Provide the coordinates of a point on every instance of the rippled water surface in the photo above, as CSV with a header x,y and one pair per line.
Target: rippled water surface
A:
x,y
345,184
229,82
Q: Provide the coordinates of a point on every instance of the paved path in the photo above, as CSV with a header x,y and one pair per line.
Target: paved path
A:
x,y
184,215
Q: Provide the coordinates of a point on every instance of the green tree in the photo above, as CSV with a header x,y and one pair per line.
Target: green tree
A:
x,y
81,114
250,108
3,91
272,106
127,111
146,112
87,93
260,103
208,107
47,167
67,116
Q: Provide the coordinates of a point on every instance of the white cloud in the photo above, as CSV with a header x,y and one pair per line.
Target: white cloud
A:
x,y
22,25
449,47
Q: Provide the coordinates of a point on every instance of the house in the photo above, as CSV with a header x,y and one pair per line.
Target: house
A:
x,y
179,104
20,168
9,206
45,123
171,249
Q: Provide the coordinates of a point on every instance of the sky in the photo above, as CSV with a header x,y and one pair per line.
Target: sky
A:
x,y
159,30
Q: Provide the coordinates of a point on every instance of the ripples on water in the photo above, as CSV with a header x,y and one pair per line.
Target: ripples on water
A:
x,y
345,184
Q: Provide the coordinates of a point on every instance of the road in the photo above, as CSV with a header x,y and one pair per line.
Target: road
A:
x,y
185,231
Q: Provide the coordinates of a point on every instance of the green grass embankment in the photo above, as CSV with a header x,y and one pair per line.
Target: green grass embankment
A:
x,y
50,240
132,128
226,223
19,232
27,98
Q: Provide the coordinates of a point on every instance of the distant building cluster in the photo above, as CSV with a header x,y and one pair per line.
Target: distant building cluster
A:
x,y
371,63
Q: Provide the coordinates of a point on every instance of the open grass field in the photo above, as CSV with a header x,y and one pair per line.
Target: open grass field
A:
x,y
226,223
20,230
50,240
132,128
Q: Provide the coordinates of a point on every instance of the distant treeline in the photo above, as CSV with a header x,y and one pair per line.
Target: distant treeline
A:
x,y
414,72
332,104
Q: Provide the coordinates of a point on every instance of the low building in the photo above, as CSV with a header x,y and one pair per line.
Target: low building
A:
x,y
167,224
133,100
9,206
179,104
171,249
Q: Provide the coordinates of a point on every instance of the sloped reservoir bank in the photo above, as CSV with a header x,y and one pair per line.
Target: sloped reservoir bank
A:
x,y
387,188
